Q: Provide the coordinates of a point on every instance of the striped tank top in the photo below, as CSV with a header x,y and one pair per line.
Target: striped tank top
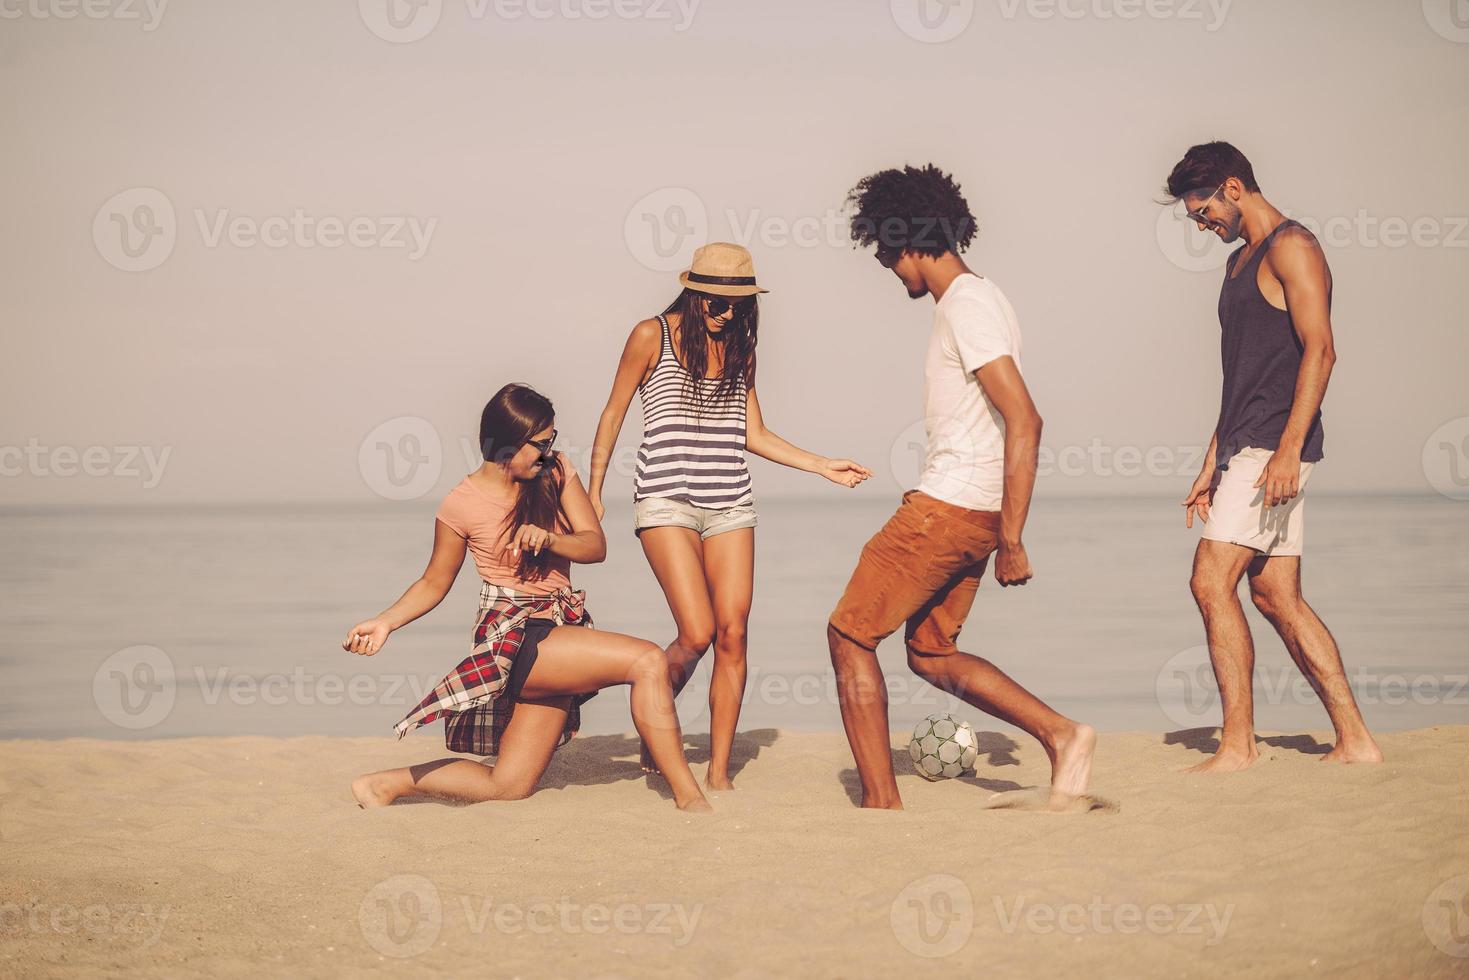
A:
x,y
691,452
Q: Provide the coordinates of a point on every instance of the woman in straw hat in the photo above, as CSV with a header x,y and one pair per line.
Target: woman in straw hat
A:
x,y
694,366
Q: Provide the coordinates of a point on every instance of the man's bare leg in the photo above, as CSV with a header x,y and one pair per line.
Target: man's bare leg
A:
x,y
1068,744
1275,586
1218,567
863,696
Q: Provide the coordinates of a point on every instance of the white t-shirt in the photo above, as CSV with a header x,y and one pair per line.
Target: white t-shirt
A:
x,y
973,324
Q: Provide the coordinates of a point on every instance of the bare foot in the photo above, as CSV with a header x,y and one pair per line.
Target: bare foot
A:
x,y
1071,765
717,784
1226,760
372,790
645,760
1364,750
696,805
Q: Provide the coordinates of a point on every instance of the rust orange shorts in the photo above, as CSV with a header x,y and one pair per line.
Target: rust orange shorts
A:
x,y
922,568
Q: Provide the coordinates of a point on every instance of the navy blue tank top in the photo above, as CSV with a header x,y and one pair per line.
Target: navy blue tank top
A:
x,y
1262,358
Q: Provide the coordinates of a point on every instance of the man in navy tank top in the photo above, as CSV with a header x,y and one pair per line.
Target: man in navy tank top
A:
x,y
1277,350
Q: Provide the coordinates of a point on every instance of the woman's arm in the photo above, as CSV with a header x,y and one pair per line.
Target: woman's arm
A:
x,y
762,442
642,348
585,544
368,636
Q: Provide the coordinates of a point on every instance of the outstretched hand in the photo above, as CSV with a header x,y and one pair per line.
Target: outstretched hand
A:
x,y
367,637
844,471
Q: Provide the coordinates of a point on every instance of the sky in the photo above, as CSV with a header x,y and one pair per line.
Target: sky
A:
x,y
280,252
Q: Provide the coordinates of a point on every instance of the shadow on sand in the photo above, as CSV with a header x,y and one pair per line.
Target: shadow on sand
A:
x,y
995,750
1206,741
598,760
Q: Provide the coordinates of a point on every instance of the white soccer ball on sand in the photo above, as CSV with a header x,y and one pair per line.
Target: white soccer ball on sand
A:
x,y
943,747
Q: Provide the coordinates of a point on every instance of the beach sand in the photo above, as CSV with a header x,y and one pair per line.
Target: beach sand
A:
x,y
246,856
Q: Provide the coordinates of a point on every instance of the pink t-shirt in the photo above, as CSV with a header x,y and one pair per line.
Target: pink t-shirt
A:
x,y
478,516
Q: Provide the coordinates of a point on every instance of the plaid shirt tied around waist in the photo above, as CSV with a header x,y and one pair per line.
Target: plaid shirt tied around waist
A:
x,y
468,697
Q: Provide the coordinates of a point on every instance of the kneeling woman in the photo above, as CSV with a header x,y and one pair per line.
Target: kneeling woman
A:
x,y
526,517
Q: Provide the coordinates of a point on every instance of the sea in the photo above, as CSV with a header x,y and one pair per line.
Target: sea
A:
x,y
219,621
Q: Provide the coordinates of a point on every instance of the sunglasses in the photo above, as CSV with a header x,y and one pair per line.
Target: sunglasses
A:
x,y
717,305
544,445
1198,214
888,256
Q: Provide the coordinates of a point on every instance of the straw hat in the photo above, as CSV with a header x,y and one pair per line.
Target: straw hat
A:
x,y
722,269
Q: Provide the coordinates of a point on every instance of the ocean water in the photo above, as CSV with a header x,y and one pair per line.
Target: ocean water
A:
x,y
190,621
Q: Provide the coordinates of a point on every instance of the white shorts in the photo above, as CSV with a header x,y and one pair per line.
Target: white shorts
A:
x,y
1238,514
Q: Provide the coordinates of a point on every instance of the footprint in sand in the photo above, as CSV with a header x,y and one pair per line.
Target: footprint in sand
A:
x,y
1038,799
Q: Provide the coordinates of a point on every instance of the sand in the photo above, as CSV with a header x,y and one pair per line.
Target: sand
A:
x,y
246,856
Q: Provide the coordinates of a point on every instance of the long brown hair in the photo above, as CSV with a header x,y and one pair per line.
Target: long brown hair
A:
x,y
740,337
509,421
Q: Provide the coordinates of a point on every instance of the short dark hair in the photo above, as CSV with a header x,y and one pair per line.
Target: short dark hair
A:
x,y
916,209
1206,166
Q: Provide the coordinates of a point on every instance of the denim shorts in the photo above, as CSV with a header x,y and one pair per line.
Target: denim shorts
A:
x,y
668,512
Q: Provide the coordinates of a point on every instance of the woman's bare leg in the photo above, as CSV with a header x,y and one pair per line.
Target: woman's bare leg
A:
x,y
676,556
525,751
729,567
574,659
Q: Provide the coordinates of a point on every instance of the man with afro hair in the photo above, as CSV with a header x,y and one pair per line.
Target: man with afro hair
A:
x,y
983,438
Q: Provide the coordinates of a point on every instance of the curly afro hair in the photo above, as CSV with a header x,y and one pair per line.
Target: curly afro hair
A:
x,y
916,209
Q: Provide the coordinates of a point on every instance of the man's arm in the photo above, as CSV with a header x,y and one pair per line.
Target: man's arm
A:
x,y
1300,265
1006,391
1201,494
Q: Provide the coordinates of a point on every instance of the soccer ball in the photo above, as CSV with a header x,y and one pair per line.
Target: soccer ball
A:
x,y
943,747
